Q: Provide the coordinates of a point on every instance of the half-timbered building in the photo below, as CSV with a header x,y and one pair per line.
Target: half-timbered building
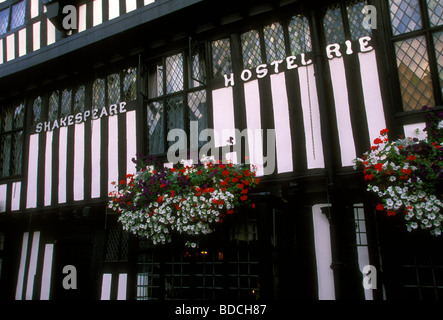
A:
x,y
85,85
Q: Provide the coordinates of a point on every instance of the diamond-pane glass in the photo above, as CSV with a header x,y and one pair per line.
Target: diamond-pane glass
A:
x,y
19,115
333,25
53,106
18,15
405,16
435,10
299,35
221,57
5,154
17,147
130,84
66,102
4,18
174,73
113,88
438,42
198,111
37,110
274,42
79,99
198,71
414,73
7,118
156,134
113,244
155,80
98,93
251,49
175,114
356,16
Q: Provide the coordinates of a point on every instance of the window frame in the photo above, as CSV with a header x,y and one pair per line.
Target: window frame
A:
x,y
14,129
427,31
8,5
190,85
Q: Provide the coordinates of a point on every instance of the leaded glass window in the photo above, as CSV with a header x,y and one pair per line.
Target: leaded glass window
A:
x,y
356,15
251,49
174,102
129,84
12,17
113,88
53,105
11,139
198,110
79,99
333,25
274,42
4,20
98,93
18,15
438,44
197,67
174,73
299,35
37,110
405,16
221,57
156,133
66,103
435,11
420,78
414,73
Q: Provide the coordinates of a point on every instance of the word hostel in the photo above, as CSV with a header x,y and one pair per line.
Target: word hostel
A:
x,y
309,72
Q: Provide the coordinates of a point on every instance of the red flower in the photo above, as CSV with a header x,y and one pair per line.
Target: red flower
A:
x,y
225,172
122,181
160,199
378,166
223,183
380,207
247,173
234,180
411,157
378,141
162,185
244,191
240,186
173,169
222,166
230,211
384,131
369,176
243,198
199,172
253,206
391,213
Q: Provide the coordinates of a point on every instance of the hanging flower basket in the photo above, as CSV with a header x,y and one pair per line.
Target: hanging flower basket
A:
x,y
407,174
182,201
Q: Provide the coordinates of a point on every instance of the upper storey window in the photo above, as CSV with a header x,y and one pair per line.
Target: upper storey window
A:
x,y
177,95
417,35
11,139
12,17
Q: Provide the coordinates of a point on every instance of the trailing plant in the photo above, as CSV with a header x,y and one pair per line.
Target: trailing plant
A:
x,y
407,174
159,202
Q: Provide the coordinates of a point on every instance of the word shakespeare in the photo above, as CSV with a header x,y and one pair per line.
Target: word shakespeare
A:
x,y
71,119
